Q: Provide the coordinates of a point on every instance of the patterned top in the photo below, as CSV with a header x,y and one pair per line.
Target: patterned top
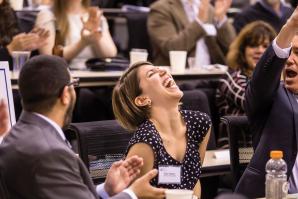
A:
x,y
230,94
197,125
230,97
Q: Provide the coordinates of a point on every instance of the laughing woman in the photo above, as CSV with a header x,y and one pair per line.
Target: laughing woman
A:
x,y
146,100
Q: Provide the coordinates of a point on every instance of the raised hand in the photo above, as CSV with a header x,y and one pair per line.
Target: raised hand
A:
x,y
142,188
4,120
221,8
91,30
121,174
204,11
288,31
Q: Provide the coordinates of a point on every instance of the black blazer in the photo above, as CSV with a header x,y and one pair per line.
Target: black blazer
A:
x,y
272,112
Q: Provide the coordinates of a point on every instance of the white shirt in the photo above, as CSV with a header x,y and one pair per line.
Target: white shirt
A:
x,y
100,188
202,53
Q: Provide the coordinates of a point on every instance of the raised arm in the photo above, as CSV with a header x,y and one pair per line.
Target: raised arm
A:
x,y
266,78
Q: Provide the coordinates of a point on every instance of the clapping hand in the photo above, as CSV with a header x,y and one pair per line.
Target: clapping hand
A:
x,y
28,41
204,11
221,8
121,174
4,125
91,28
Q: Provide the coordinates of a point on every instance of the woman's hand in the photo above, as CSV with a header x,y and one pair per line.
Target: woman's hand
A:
x,y
91,31
28,41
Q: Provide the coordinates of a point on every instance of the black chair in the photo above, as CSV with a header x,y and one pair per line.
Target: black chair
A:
x,y
240,141
99,144
197,100
137,32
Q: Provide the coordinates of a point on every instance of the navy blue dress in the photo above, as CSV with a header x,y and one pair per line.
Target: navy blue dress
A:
x,y
197,125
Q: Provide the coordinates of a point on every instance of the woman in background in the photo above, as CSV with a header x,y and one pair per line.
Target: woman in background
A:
x,y
146,99
11,38
77,32
243,55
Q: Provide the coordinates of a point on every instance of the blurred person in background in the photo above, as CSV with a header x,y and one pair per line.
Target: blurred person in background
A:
x,y
194,26
4,118
146,100
242,58
11,38
274,12
78,32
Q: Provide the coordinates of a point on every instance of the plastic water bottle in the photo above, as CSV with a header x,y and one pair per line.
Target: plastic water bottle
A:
x,y
276,177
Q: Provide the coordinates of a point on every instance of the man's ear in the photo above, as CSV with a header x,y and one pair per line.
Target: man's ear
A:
x,y
65,96
142,101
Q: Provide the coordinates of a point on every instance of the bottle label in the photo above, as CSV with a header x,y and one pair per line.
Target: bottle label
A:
x,y
285,187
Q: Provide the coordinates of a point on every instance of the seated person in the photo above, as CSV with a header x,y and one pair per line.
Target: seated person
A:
x,y
10,37
50,169
243,55
146,99
77,32
274,12
188,25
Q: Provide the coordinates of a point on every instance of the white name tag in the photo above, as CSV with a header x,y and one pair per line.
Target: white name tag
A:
x,y
169,174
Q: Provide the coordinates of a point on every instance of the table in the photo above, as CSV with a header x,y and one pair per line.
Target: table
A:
x,y
95,79
215,166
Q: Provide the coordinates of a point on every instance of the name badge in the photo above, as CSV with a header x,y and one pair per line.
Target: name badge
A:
x,y
169,174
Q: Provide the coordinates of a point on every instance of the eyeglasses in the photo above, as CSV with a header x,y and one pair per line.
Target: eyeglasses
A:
x,y
75,82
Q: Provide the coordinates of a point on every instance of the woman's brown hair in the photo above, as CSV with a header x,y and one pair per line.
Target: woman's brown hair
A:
x,y
59,10
128,114
8,23
253,34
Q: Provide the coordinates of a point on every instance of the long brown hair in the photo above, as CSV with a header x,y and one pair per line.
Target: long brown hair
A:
x,y
128,114
59,10
8,23
253,34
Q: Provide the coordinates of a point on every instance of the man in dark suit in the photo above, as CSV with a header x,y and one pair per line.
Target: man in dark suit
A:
x,y
272,109
36,160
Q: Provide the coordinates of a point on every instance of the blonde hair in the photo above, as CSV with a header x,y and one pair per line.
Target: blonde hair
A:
x,y
252,34
59,10
128,114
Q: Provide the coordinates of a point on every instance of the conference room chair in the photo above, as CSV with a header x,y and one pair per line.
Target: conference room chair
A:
x,y
137,32
240,142
99,144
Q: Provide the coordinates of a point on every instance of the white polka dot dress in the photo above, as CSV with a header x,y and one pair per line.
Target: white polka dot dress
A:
x,y
197,124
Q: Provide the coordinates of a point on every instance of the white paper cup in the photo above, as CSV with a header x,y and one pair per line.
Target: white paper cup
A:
x,y
178,61
16,4
179,194
136,56
19,58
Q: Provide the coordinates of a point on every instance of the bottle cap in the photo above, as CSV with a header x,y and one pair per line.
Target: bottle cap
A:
x,y
276,154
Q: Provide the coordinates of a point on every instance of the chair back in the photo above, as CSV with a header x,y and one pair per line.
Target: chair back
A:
x,y
99,144
240,142
197,100
137,32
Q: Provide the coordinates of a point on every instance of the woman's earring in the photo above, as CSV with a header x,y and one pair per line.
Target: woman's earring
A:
x,y
149,103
